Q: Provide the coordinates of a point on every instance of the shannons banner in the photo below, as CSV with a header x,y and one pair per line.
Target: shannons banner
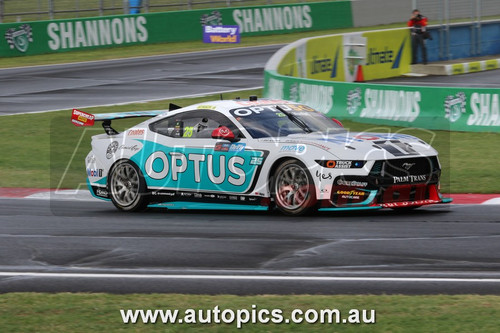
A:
x,y
39,37
453,108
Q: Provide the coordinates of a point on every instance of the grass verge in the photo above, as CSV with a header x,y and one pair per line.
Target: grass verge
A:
x,y
45,150
34,312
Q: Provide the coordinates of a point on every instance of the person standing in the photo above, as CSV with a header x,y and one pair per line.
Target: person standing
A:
x,y
418,24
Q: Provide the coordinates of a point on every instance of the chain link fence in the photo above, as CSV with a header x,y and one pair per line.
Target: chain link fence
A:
x,y
35,10
446,12
449,11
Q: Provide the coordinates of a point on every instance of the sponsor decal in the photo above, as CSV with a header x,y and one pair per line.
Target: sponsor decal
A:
x,y
94,172
409,203
111,150
186,194
91,33
102,192
341,164
136,132
91,159
398,105
230,147
409,179
222,197
407,166
133,148
207,107
198,195
163,193
294,148
323,176
80,118
353,183
273,18
177,165
485,110
214,18
256,160
233,197
350,194
375,56
454,106
221,34
19,38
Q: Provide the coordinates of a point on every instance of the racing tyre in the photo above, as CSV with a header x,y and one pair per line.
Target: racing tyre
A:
x,y
127,187
293,188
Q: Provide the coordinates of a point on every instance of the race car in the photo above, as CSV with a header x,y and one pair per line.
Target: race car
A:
x,y
256,154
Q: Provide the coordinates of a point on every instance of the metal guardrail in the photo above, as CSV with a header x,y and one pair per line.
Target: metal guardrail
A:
x,y
35,10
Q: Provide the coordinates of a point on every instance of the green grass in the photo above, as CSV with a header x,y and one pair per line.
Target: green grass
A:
x,y
45,150
33,312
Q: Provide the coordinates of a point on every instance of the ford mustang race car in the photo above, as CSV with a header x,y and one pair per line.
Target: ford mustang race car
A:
x,y
256,154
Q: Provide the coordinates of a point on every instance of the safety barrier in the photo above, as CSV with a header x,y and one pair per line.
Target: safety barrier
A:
x,y
39,37
446,108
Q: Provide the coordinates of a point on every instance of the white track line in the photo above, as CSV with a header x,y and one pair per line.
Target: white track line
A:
x,y
242,277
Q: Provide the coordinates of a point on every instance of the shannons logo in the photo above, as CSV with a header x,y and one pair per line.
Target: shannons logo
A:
x,y
353,100
319,97
396,105
214,18
454,106
19,39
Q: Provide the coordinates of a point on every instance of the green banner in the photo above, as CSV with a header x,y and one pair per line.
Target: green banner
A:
x,y
40,37
446,108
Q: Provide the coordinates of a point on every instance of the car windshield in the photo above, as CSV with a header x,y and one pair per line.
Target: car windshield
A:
x,y
283,120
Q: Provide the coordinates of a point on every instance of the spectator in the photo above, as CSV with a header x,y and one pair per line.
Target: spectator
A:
x,y
418,24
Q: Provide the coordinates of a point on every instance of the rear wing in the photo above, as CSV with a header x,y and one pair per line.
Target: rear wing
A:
x,y
80,118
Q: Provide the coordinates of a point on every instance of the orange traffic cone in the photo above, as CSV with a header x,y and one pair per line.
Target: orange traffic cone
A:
x,y
359,74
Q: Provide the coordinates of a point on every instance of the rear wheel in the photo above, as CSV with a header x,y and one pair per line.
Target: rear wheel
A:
x,y
293,188
128,187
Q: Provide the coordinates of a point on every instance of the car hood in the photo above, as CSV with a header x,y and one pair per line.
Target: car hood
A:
x,y
361,146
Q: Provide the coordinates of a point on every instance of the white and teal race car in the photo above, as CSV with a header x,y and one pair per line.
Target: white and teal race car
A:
x,y
256,154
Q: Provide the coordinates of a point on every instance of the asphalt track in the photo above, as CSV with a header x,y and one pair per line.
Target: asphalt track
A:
x,y
62,245
73,246
80,85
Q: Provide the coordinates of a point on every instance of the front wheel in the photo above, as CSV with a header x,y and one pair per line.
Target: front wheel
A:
x,y
293,188
128,187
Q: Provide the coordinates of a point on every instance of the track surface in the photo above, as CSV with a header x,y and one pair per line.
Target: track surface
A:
x,y
43,88
88,246
446,249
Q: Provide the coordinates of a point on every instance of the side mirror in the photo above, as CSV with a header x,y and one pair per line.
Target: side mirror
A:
x,y
338,122
223,133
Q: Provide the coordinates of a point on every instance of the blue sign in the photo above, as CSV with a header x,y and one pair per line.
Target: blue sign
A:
x,y
221,34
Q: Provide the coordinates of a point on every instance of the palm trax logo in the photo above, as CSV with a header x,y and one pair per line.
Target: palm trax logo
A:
x,y
19,39
454,106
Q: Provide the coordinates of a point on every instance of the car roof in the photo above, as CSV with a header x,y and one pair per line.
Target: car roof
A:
x,y
225,106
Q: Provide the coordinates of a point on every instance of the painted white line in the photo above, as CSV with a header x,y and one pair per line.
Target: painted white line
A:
x,y
139,101
493,201
243,277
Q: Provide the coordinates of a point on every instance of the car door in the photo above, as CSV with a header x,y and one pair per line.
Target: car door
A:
x,y
185,157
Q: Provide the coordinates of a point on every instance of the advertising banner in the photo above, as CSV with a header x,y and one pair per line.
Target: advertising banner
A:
x,y
452,108
18,39
378,54
221,34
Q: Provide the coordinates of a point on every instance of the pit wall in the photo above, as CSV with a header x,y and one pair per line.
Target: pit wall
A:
x,y
456,109
29,38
